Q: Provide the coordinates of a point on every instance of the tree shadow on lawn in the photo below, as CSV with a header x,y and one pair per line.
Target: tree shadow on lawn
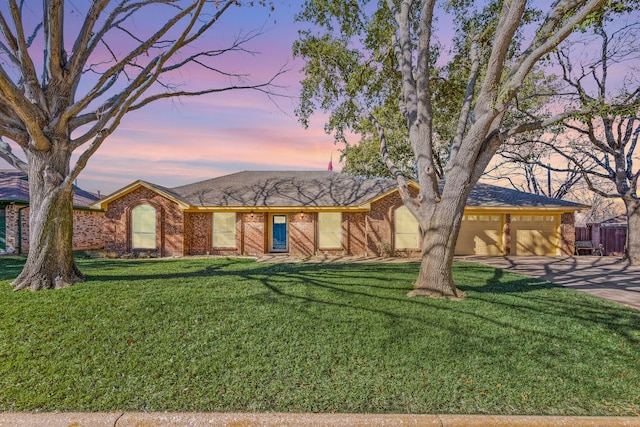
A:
x,y
499,298
566,302
382,284
11,266
376,282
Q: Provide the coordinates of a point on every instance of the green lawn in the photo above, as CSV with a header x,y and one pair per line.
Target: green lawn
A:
x,y
235,335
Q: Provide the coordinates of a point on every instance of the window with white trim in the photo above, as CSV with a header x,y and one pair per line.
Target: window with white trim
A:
x,y
407,231
143,227
330,229
224,229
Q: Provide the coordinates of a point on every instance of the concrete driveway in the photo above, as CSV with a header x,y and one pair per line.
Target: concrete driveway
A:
x,y
606,277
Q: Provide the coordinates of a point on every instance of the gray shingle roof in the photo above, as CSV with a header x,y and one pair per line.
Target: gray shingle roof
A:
x,y
14,187
323,188
283,188
494,196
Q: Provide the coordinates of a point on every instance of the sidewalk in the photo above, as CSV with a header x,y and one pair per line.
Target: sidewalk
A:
x,y
157,419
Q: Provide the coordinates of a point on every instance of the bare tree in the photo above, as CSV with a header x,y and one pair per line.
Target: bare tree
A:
x,y
59,97
602,144
397,39
526,165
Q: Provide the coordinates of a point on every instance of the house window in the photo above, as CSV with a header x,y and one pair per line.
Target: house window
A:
x,y
407,232
224,229
143,227
330,230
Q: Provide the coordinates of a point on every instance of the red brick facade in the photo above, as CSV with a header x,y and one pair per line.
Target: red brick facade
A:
x,y
170,229
183,232
567,233
87,228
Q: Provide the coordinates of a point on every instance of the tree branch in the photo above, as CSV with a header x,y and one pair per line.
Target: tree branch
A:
x,y
6,154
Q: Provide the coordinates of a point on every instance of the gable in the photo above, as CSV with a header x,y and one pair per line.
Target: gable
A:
x,y
139,188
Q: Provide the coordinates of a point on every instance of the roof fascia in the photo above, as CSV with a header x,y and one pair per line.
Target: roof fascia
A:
x,y
361,208
14,201
508,209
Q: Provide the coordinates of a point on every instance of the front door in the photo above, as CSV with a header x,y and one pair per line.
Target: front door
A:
x,y
279,232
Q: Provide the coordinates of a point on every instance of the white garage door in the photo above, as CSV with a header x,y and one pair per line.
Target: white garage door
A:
x,y
534,235
480,235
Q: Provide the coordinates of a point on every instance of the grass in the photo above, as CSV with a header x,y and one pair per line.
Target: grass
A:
x,y
235,335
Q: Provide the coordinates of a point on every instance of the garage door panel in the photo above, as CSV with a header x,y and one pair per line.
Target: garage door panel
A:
x,y
534,237
479,238
488,243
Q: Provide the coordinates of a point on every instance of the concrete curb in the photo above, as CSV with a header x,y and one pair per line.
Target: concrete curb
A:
x,y
179,419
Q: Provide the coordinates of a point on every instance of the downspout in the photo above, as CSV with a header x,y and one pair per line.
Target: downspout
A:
x,y
20,229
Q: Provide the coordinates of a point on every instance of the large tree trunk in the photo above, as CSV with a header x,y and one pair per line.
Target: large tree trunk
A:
x,y
50,263
435,278
633,228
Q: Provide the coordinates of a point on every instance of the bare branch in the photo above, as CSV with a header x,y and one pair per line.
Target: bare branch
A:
x,y
467,102
140,49
555,28
6,154
55,58
27,68
403,184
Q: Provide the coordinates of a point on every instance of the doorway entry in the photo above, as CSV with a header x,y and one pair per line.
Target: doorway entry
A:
x,y
279,233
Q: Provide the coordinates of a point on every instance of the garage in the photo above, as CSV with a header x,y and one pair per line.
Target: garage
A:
x,y
480,235
534,235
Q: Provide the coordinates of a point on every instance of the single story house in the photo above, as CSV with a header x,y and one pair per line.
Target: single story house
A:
x,y
14,216
306,213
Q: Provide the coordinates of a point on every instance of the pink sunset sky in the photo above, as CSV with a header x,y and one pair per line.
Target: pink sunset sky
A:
x,y
179,141
183,140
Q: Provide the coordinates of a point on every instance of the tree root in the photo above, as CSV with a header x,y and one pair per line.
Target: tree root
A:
x,y
37,282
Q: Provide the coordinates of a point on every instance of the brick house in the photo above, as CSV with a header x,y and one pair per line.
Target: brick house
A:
x,y
306,213
14,216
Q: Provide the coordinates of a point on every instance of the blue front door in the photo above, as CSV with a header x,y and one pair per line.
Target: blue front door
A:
x,y
279,241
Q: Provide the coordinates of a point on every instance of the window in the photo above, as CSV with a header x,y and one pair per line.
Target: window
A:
x,y
330,230
407,230
224,229
143,227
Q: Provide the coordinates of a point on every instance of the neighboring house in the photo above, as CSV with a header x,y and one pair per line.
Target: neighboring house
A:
x,y
14,216
307,213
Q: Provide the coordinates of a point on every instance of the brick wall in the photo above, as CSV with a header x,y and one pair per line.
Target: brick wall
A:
x,y
567,233
87,228
354,233
507,234
254,226
12,227
197,230
302,234
379,227
169,219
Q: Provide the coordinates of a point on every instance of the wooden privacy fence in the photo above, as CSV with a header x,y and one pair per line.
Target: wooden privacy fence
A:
x,y
583,233
613,239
